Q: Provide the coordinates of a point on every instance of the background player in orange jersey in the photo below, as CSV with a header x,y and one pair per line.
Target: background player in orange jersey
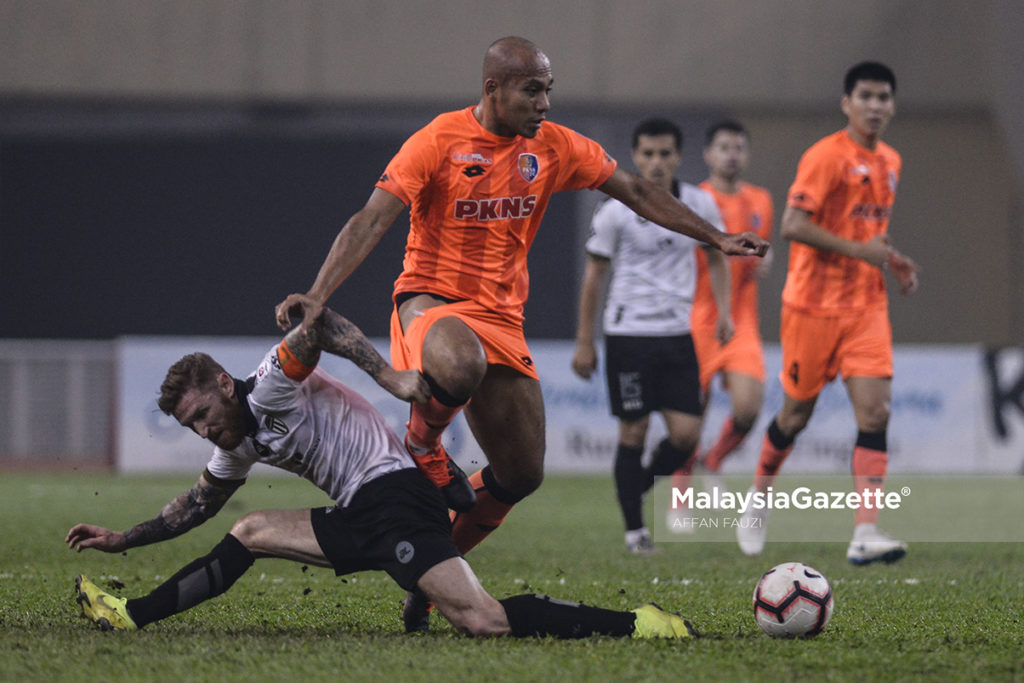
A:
x,y
476,182
744,207
835,312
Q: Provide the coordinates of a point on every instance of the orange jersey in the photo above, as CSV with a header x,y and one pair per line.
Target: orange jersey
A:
x,y
748,210
848,190
476,200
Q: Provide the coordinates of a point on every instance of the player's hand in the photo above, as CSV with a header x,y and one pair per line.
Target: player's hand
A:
x,y
724,329
408,385
296,305
744,244
82,536
905,271
584,360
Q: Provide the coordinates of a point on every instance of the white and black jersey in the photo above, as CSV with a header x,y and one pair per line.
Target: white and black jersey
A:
x,y
317,428
654,270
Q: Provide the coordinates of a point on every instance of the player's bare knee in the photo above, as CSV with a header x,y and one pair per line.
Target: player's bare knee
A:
x,y
247,529
874,419
743,420
453,357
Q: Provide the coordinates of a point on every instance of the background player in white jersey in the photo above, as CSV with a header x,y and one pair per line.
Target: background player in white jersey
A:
x,y
650,360
387,515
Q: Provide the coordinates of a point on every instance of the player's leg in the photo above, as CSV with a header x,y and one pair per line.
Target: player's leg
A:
x,y
871,397
630,482
286,534
677,455
453,361
866,365
506,417
810,348
746,394
457,592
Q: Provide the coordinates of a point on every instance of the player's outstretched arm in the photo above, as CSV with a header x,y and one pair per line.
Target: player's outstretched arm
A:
x,y
356,239
185,512
323,329
658,206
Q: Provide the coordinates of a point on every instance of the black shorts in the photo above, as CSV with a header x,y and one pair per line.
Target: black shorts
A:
x,y
646,374
397,522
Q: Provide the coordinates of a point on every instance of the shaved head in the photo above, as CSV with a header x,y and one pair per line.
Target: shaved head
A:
x,y
513,56
517,82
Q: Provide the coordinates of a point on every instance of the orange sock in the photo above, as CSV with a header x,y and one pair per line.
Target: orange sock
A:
x,y
469,528
869,468
774,449
427,421
682,477
727,442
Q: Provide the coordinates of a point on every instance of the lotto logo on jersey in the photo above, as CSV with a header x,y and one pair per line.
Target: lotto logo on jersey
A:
x,y
495,209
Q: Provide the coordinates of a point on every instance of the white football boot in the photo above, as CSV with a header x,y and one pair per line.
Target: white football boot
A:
x,y
871,545
639,542
753,529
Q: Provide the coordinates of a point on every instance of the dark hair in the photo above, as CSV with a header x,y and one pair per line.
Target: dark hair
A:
x,y
727,125
653,127
194,371
868,71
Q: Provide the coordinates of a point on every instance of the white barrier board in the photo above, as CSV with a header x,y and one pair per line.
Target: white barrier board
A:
x,y
954,409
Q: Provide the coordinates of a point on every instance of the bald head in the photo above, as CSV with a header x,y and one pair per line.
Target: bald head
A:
x,y
517,80
514,56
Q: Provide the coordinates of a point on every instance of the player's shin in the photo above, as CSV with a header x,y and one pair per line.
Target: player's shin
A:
x,y
774,449
539,615
629,485
870,462
728,440
493,503
200,580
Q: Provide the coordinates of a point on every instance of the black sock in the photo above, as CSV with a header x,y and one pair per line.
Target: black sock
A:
x,y
777,438
665,460
539,615
199,580
629,485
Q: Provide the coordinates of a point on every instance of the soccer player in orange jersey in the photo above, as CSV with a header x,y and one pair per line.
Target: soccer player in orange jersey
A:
x,y
476,182
744,207
835,311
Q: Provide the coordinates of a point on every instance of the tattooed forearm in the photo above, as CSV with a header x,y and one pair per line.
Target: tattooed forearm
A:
x,y
185,512
336,334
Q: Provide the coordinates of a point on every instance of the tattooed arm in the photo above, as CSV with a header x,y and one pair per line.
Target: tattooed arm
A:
x,y
323,329
185,512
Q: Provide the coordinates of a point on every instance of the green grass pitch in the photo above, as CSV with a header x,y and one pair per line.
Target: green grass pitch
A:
x,y
946,612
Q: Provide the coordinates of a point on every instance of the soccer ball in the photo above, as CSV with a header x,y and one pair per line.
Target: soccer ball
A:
x,y
792,600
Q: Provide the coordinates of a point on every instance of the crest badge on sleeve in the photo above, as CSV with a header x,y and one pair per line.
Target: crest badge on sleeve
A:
x,y
529,167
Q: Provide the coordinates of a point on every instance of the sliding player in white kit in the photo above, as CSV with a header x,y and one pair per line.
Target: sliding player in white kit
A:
x,y
387,514
650,360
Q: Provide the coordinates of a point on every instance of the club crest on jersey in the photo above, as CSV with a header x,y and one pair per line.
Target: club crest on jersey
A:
x,y
529,166
275,425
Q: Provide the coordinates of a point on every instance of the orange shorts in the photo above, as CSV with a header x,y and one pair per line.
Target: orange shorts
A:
x,y
816,348
503,341
743,354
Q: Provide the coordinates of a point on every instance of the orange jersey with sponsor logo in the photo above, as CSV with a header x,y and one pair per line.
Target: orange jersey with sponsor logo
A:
x,y
749,209
848,190
476,200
